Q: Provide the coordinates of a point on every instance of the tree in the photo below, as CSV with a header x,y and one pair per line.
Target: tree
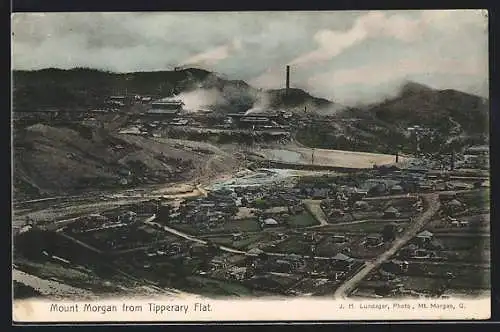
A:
x,y
260,203
389,233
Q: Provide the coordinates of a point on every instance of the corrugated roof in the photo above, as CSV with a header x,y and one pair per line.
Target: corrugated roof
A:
x,y
162,111
342,257
270,221
391,209
425,234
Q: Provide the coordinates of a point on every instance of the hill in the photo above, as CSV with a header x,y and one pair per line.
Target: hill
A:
x,y
51,160
419,104
453,118
295,98
82,87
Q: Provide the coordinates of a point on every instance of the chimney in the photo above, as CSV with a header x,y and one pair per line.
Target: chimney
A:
x,y
287,79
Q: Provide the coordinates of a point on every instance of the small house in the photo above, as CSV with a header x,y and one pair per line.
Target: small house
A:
x,y
464,223
391,212
255,252
279,236
309,236
455,205
378,189
396,189
269,222
237,236
218,263
198,249
339,239
335,213
425,236
361,205
342,262
283,266
408,251
238,273
128,216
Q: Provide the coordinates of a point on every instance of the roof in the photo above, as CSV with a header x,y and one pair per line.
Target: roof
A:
x,y
270,221
396,187
254,119
342,257
479,148
255,251
425,234
391,209
455,202
169,101
162,111
374,235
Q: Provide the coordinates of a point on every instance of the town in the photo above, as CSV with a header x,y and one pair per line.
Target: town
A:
x,y
239,174
285,225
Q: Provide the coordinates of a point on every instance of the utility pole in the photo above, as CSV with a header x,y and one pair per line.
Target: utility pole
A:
x,y
452,161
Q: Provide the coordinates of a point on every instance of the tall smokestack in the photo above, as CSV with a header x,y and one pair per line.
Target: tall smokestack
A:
x,y
287,79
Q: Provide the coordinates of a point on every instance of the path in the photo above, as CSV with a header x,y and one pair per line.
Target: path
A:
x,y
314,207
50,287
350,284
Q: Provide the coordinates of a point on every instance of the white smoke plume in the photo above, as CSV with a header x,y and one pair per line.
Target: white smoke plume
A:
x,y
200,99
261,104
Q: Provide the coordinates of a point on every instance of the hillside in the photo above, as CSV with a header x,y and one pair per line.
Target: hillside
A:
x,y
51,160
418,104
452,116
82,88
295,98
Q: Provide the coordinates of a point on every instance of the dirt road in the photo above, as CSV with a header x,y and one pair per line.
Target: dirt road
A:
x,y
50,287
315,209
349,285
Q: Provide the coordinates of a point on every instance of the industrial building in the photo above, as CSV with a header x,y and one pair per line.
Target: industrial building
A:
x,y
165,108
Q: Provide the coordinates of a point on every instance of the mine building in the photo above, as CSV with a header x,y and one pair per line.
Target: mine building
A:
x,y
165,109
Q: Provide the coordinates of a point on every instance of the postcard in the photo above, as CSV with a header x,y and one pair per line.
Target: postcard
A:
x,y
250,166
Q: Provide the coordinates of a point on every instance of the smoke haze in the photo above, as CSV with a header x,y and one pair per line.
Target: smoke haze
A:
x,y
200,99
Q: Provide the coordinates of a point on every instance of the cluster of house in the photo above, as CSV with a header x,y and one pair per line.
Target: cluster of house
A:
x,y
451,205
97,222
124,100
165,250
205,212
423,246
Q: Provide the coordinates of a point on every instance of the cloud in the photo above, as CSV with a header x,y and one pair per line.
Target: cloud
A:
x,y
214,55
384,79
370,25
322,47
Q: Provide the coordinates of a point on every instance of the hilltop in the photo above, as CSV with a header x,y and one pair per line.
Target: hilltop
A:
x,y
452,115
417,103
